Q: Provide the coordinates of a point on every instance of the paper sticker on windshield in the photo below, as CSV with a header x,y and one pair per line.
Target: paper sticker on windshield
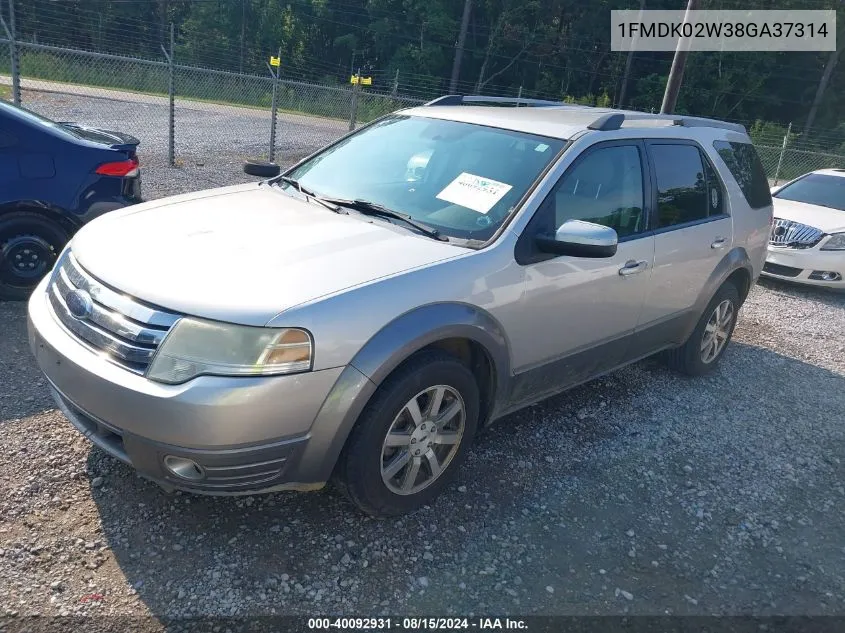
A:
x,y
474,192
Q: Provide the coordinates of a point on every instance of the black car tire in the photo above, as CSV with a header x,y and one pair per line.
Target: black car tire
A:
x,y
359,470
261,168
688,358
29,246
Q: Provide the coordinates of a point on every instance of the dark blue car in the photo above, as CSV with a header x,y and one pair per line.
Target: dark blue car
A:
x,y
55,177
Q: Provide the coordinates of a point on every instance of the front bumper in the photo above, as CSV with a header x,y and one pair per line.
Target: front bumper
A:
x,y
247,434
797,265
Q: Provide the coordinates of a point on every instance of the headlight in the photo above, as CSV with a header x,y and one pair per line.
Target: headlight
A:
x,y
835,243
195,347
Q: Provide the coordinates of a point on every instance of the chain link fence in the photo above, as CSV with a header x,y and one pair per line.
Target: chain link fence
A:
x,y
787,156
205,122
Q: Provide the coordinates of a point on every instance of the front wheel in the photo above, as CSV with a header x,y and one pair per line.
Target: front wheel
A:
x,y
705,346
412,436
29,246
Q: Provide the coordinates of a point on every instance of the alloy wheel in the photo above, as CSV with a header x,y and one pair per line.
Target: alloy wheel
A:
x,y
422,440
717,331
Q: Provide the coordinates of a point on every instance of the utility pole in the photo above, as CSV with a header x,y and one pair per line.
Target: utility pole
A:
x,y
676,74
628,62
820,90
459,47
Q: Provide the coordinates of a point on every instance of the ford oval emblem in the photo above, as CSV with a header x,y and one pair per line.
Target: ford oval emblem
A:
x,y
79,304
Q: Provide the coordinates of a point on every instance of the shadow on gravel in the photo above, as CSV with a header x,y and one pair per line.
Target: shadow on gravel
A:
x,y
23,390
555,481
827,296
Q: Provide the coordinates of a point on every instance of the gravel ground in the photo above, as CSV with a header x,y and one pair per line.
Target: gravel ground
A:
x,y
641,493
212,140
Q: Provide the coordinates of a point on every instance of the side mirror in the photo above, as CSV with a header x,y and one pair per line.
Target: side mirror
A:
x,y
580,239
262,169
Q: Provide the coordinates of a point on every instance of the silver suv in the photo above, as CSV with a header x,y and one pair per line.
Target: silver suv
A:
x,y
361,316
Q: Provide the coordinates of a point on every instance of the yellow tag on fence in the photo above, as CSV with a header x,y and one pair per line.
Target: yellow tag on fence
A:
x,y
275,61
366,81
353,79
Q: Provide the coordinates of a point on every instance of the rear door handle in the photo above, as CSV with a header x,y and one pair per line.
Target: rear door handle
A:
x,y
632,267
719,242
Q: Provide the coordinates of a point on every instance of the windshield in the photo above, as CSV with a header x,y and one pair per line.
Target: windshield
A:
x,y
459,178
819,189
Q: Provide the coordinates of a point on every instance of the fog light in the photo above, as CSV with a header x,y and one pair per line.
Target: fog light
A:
x,y
184,468
825,275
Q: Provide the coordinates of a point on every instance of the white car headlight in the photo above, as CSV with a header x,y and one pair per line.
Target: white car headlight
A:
x,y
835,243
195,347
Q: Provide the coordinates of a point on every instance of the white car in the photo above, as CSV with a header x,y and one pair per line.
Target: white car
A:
x,y
807,244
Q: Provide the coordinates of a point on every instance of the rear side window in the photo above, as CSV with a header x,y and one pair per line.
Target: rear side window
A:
x,y
682,192
746,168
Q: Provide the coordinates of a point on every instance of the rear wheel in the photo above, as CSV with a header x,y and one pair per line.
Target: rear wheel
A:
x,y
705,346
412,436
29,246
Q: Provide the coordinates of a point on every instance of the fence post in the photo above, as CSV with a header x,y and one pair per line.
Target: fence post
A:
x,y
519,96
171,93
13,53
782,151
274,107
395,89
353,110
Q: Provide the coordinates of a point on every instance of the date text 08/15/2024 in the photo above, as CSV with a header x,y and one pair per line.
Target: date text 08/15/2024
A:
x,y
415,624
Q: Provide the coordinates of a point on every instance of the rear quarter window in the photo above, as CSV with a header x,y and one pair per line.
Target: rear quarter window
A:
x,y
745,166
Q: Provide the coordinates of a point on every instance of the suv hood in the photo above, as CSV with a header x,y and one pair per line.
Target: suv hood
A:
x,y
823,218
244,254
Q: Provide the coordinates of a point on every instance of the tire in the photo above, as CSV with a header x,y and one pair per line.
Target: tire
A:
x,y
29,246
366,461
692,358
261,169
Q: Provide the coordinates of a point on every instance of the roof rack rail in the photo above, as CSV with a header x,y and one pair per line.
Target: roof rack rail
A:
x,y
609,121
614,120
695,121
606,119
449,100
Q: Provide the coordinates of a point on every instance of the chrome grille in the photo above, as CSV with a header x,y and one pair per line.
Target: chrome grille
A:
x,y
789,234
127,331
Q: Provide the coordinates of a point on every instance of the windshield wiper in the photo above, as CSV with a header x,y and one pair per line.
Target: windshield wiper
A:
x,y
366,207
293,182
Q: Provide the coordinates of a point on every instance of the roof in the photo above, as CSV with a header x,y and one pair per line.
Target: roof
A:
x,y
561,121
830,172
552,122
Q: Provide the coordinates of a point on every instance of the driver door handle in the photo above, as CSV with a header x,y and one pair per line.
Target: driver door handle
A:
x,y
632,267
719,242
